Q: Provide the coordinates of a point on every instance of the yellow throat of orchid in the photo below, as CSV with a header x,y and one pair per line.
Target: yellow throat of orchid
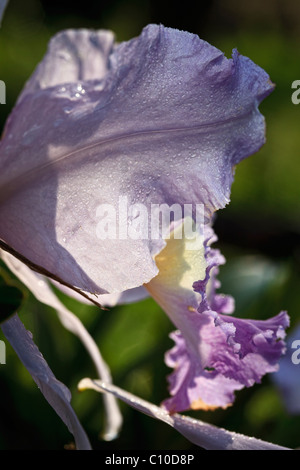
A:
x,y
181,262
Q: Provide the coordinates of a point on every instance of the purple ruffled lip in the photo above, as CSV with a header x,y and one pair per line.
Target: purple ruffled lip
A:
x,y
215,354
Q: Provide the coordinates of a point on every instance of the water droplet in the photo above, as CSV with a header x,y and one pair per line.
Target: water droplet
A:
x,y
80,89
65,55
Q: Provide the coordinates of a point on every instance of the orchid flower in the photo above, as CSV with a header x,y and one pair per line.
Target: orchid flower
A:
x,y
215,353
159,120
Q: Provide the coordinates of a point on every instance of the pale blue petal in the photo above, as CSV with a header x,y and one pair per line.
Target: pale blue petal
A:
x,y
55,392
198,432
162,118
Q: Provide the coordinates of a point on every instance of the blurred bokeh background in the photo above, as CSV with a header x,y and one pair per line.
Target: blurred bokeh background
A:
x,y
258,232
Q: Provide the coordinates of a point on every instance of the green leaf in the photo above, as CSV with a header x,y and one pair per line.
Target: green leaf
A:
x,y
11,296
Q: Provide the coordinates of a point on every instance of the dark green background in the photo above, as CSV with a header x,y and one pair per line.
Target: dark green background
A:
x,y
258,232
